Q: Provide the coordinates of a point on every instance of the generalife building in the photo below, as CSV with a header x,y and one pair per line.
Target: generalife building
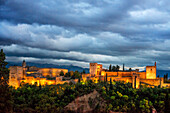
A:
x,y
97,73
32,75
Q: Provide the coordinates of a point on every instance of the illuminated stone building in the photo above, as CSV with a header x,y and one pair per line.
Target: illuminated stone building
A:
x,y
35,75
135,77
95,69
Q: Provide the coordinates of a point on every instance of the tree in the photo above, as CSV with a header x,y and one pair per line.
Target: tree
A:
x,y
67,74
110,67
117,67
61,73
113,68
71,73
79,80
5,94
167,102
84,71
111,85
76,74
106,77
130,69
48,77
166,77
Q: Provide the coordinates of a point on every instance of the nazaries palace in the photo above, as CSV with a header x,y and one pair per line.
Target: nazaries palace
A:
x,y
39,76
35,75
97,73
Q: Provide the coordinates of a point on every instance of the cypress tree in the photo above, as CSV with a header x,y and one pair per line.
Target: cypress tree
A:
x,y
111,85
110,67
79,80
5,93
106,77
167,102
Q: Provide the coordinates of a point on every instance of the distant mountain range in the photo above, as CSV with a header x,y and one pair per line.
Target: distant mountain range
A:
x,y
161,73
69,67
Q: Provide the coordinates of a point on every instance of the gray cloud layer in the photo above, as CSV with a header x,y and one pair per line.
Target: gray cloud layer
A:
x,y
78,32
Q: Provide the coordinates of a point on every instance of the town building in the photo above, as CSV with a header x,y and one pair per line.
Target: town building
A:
x,y
137,78
35,75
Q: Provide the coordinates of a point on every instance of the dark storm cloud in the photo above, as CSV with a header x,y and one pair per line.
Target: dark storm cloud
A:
x,y
107,31
64,12
5,41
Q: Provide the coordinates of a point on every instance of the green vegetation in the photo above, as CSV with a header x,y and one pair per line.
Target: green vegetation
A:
x,y
166,80
120,97
50,78
114,68
124,98
5,93
73,75
61,73
130,69
32,98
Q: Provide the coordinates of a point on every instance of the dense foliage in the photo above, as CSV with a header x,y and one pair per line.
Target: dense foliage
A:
x,y
72,75
119,96
5,93
32,98
122,97
114,68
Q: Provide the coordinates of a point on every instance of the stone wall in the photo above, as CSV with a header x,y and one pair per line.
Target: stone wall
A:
x,y
93,69
150,72
154,82
15,74
53,72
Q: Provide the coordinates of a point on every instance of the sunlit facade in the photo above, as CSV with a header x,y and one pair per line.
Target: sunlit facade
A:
x,y
135,77
33,75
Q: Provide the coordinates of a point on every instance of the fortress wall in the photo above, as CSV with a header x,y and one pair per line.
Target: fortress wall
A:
x,y
42,81
125,73
93,69
111,73
150,72
166,85
99,69
154,82
120,74
29,80
15,74
56,72
53,72
142,75
14,82
50,82
32,68
125,79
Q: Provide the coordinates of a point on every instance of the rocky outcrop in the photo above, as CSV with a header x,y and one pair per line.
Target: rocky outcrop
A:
x,y
91,102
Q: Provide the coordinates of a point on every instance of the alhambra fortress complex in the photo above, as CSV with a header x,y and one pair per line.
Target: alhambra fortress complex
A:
x,y
32,75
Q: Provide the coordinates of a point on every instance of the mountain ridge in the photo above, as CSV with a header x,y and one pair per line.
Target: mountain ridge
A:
x,y
46,65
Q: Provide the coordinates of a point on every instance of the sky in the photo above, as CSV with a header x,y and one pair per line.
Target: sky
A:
x,y
77,32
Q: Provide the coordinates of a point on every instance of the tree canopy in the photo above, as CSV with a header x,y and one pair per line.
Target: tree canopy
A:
x,y
5,94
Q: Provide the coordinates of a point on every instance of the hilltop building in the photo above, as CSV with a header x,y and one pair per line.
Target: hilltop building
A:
x,y
35,75
97,73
